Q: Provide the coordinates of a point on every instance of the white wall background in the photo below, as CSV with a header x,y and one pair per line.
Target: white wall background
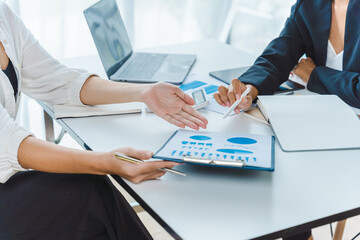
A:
x,y
61,28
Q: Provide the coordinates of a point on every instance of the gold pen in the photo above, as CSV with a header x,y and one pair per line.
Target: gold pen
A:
x,y
138,161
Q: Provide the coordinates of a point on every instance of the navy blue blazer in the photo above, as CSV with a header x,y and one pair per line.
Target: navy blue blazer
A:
x,y
307,31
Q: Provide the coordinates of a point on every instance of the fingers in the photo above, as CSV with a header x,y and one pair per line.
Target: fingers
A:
x,y
227,96
191,118
223,95
162,164
155,175
231,95
172,120
219,100
186,98
238,88
183,118
200,119
139,154
245,104
151,170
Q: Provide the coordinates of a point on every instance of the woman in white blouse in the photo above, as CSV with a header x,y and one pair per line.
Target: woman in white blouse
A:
x,y
80,204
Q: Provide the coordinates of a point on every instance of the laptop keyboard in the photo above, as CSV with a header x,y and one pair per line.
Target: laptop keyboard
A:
x,y
143,66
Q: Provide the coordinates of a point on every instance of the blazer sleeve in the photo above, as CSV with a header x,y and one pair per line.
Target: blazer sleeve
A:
x,y
43,77
274,65
345,84
11,136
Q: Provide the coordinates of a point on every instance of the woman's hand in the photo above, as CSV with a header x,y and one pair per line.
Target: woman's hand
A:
x,y
173,105
228,95
304,69
135,172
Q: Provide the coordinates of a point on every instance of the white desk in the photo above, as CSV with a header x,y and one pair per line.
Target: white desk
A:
x,y
307,189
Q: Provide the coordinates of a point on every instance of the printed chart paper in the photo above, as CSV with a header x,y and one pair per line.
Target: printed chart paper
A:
x,y
254,150
195,82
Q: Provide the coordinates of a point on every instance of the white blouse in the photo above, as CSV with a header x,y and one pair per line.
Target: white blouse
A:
x,y
39,76
333,60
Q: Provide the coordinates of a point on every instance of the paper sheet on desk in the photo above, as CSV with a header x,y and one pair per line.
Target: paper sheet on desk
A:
x,y
293,77
194,82
255,150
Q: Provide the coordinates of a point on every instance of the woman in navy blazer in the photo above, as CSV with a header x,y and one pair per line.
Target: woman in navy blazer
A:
x,y
307,31
311,27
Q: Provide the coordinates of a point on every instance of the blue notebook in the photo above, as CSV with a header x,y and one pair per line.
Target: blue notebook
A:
x,y
247,151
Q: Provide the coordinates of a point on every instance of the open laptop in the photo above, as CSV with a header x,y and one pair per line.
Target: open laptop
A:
x,y
119,60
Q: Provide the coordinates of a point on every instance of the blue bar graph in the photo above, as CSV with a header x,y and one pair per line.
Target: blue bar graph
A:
x,y
192,85
210,89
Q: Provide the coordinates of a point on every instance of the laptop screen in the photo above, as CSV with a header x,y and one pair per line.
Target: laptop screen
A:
x,y
109,34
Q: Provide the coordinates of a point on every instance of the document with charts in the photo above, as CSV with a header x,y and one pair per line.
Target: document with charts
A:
x,y
246,151
195,82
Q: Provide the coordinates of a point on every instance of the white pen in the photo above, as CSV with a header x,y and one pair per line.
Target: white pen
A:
x,y
237,102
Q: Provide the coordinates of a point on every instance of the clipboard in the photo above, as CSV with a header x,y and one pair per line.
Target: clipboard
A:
x,y
233,150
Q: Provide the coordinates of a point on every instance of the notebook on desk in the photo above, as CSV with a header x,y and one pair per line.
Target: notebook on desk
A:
x,y
236,150
311,122
66,111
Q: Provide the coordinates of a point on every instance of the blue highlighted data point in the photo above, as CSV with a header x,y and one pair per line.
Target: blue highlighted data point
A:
x,y
200,138
233,151
242,140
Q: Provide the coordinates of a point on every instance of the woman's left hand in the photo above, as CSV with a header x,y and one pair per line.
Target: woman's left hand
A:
x,y
304,69
172,104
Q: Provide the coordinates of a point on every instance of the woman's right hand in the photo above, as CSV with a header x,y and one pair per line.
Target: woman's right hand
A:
x,y
136,172
228,95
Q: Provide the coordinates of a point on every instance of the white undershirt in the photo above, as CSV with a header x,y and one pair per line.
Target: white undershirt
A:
x,y
333,60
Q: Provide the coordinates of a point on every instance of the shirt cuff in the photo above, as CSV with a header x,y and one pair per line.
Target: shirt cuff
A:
x,y
76,87
13,146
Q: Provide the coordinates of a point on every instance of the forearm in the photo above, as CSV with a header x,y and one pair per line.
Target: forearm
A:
x,y
344,84
48,157
100,91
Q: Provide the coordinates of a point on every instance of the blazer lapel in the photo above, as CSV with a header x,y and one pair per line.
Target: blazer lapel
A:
x,y
322,20
351,59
